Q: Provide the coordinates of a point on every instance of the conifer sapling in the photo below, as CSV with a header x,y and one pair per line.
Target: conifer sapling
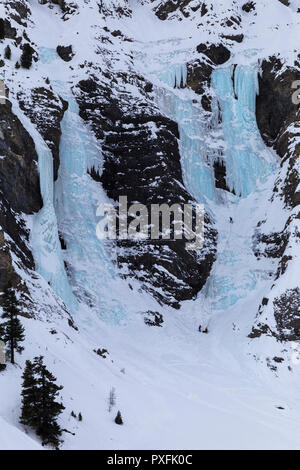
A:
x,y
118,418
12,331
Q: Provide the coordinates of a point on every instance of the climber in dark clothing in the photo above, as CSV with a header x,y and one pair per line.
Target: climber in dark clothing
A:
x,y
231,220
200,328
205,330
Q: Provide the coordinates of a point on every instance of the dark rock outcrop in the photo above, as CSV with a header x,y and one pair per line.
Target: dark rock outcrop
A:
x,y
166,8
45,110
285,2
217,53
233,37
287,314
67,7
220,174
65,53
153,318
270,245
248,6
275,109
20,193
19,11
278,121
199,78
9,31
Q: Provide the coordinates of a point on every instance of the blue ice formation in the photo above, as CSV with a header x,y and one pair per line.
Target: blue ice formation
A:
x,y
197,155
77,196
45,241
246,159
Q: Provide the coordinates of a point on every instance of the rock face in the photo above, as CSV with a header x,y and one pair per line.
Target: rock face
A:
x,y
275,109
164,9
278,121
45,110
248,6
20,192
285,2
287,314
142,161
217,53
65,53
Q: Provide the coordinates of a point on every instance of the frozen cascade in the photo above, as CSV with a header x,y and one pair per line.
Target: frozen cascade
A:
x,y
166,68
202,141
91,273
46,247
77,196
248,163
45,242
246,157
197,155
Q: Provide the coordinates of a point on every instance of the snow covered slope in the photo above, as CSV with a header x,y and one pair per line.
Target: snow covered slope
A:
x,y
160,100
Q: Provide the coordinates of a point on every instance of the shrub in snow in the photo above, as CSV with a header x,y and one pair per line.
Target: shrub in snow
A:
x,y
118,418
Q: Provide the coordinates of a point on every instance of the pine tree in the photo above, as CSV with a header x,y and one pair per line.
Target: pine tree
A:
x,y
2,366
7,53
12,329
118,418
40,409
26,57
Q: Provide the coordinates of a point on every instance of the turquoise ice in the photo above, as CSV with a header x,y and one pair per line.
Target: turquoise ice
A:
x,y
92,273
247,161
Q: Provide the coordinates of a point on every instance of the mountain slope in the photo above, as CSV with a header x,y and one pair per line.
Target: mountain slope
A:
x,y
182,101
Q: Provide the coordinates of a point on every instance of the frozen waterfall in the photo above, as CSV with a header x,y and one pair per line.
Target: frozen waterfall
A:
x,y
45,242
77,196
247,160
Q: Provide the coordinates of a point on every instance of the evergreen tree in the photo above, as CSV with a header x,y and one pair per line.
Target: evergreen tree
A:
x,y
12,331
40,409
118,418
2,366
26,57
7,53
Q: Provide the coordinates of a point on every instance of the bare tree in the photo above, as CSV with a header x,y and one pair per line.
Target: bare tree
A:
x,y
112,399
